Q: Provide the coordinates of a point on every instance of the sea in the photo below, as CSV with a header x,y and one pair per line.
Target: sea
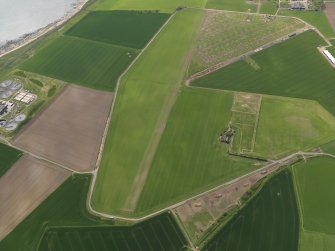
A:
x,y
19,17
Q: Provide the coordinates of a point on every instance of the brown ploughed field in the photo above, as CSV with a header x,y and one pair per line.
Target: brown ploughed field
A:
x,y
330,13
70,130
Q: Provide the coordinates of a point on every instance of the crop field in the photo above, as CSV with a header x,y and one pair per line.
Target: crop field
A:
x,y
225,35
234,5
315,18
161,5
24,187
70,130
287,125
294,68
64,213
8,156
140,111
270,221
330,13
158,233
244,119
88,63
199,160
125,28
315,188
311,241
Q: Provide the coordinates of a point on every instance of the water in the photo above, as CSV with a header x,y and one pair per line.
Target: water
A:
x,y
18,17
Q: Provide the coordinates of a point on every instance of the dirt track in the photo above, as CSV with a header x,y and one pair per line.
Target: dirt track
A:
x,y
24,187
70,130
330,13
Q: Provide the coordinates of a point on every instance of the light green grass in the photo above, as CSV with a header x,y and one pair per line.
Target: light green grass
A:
x,y
315,18
294,68
315,188
190,157
288,125
312,241
142,96
167,6
225,35
88,63
269,6
234,5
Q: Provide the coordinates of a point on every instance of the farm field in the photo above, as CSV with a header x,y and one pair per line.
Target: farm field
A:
x,y
317,205
199,160
288,125
125,28
330,14
64,213
158,233
24,187
8,156
311,241
87,63
161,5
225,35
329,147
315,18
294,68
270,221
234,5
140,110
70,130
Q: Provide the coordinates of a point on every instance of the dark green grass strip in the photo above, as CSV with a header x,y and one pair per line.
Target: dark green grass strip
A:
x,y
125,28
269,221
61,222
8,156
91,64
159,233
294,68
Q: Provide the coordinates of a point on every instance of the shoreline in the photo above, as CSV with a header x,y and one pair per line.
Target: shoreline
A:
x,y
30,37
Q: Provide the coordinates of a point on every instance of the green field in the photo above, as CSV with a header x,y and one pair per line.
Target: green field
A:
x,y
161,5
315,18
190,157
225,35
83,62
62,222
124,28
315,187
311,241
144,99
270,221
158,233
294,68
329,147
8,156
269,6
288,125
234,5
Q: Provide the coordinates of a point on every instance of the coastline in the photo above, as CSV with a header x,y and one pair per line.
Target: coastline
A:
x,y
30,37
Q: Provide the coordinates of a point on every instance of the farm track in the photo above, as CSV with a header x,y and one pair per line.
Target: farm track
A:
x,y
281,162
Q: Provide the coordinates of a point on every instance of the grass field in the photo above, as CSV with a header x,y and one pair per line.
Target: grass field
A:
x,y
269,6
92,64
158,233
190,157
125,28
161,5
234,5
288,125
311,241
225,35
294,68
329,147
315,18
270,221
142,103
8,156
61,222
315,186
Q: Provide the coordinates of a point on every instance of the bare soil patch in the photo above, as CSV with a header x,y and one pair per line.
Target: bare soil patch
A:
x,y
24,187
70,130
330,13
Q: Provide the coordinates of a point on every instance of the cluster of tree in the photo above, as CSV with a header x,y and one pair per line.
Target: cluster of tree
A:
x,y
316,5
